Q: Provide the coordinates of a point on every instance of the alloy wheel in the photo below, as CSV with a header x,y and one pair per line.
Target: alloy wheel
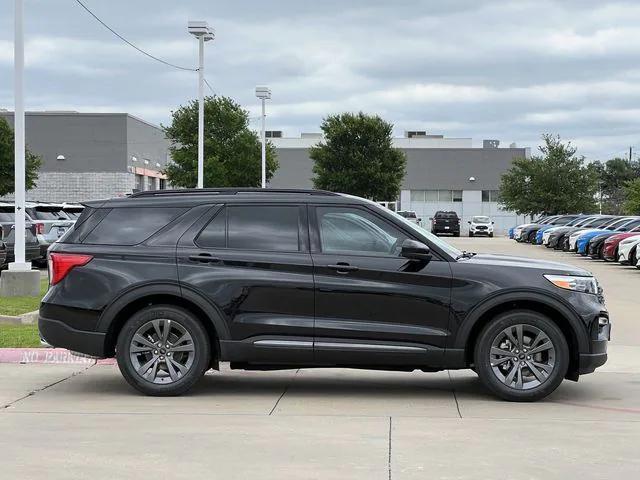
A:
x,y
522,357
162,351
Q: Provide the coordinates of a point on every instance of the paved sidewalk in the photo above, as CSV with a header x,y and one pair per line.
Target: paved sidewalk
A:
x,y
66,421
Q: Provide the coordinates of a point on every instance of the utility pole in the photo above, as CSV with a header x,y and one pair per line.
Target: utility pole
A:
x,y
19,279
630,154
264,94
19,262
204,33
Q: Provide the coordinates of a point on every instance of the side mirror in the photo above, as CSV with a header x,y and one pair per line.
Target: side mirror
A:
x,y
469,223
492,223
419,219
430,218
414,250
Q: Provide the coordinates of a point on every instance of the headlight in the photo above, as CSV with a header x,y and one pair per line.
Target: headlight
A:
x,y
577,284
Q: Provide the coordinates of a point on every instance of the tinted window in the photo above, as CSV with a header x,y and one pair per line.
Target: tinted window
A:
x,y
268,228
130,226
39,213
352,230
449,215
214,234
7,216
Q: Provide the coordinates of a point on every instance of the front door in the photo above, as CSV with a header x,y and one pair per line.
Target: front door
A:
x,y
252,263
374,307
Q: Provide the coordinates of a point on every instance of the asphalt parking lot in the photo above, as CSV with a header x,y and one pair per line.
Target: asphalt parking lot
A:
x,y
85,422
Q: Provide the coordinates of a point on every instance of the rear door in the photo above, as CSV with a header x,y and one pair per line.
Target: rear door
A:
x,y
374,307
252,263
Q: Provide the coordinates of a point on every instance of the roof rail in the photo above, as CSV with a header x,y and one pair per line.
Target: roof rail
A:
x,y
228,191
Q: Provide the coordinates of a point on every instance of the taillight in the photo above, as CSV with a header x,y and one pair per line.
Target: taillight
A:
x,y
60,264
40,228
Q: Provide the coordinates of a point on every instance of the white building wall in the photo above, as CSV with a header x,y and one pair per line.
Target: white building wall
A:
x,y
470,205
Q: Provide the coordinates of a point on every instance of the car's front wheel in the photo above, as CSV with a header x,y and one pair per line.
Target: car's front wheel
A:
x,y
521,356
163,350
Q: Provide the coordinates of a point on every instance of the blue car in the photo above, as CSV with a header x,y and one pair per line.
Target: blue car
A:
x,y
538,240
582,244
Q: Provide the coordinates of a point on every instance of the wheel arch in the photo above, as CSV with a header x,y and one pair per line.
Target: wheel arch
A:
x,y
562,315
116,314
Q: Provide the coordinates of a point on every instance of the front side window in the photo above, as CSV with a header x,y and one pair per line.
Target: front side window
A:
x,y
347,230
263,227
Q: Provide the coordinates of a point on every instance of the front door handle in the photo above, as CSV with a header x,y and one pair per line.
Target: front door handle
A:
x,y
343,267
204,258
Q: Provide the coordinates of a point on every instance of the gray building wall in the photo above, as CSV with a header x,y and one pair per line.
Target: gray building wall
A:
x,y
427,168
89,142
98,150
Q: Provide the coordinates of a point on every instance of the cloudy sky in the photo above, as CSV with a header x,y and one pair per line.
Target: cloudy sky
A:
x,y
503,69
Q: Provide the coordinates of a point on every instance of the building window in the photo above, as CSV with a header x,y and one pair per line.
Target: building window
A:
x,y
431,195
139,182
273,134
443,196
417,195
162,185
490,195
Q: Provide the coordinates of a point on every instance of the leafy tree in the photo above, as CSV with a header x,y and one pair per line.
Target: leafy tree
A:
x,y
231,150
557,181
632,193
613,175
7,163
357,157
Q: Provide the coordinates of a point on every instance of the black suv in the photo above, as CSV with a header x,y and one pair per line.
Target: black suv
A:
x,y
173,282
445,222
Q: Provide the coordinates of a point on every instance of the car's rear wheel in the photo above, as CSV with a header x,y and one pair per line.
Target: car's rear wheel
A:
x,y
163,350
521,356
632,257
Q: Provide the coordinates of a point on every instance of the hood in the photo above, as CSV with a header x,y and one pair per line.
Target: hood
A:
x,y
509,261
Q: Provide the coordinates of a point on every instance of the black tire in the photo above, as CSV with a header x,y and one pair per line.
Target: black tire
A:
x,y
201,350
471,234
494,329
491,235
457,234
532,237
632,257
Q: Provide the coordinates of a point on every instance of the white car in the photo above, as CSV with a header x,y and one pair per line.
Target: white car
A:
x,y
627,249
480,225
411,216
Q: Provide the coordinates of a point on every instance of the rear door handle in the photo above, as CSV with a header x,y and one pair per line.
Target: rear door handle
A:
x,y
343,267
203,258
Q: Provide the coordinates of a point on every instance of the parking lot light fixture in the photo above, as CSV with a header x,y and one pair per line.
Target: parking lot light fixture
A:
x,y
264,94
201,30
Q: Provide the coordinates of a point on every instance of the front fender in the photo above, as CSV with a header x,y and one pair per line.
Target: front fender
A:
x,y
504,298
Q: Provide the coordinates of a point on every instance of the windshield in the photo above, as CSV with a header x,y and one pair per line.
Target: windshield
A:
x,y
598,222
618,223
40,213
481,220
407,214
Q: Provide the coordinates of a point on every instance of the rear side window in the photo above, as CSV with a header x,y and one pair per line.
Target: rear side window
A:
x,y
214,234
130,226
263,227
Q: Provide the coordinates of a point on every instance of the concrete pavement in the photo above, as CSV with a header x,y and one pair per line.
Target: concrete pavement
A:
x,y
86,422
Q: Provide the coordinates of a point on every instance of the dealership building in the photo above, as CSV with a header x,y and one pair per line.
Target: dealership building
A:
x,y
93,155
87,156
441,174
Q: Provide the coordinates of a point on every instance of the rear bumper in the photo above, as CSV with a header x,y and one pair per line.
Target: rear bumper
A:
x,y
59,334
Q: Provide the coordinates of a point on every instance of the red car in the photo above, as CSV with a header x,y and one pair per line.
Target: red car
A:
x,y
610,249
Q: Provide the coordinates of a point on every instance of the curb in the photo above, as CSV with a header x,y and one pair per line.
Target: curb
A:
x,y
28,318
52,356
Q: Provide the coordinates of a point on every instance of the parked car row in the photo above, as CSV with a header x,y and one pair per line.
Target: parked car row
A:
x,y
44,224
602,237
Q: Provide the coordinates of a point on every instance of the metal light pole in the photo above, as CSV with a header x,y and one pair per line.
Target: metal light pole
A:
x,y
204,33
19,262
264,94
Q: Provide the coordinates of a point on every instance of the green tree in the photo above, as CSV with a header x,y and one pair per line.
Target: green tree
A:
x,y
358,157
7,164
632,197
615,174
557,181
231,149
